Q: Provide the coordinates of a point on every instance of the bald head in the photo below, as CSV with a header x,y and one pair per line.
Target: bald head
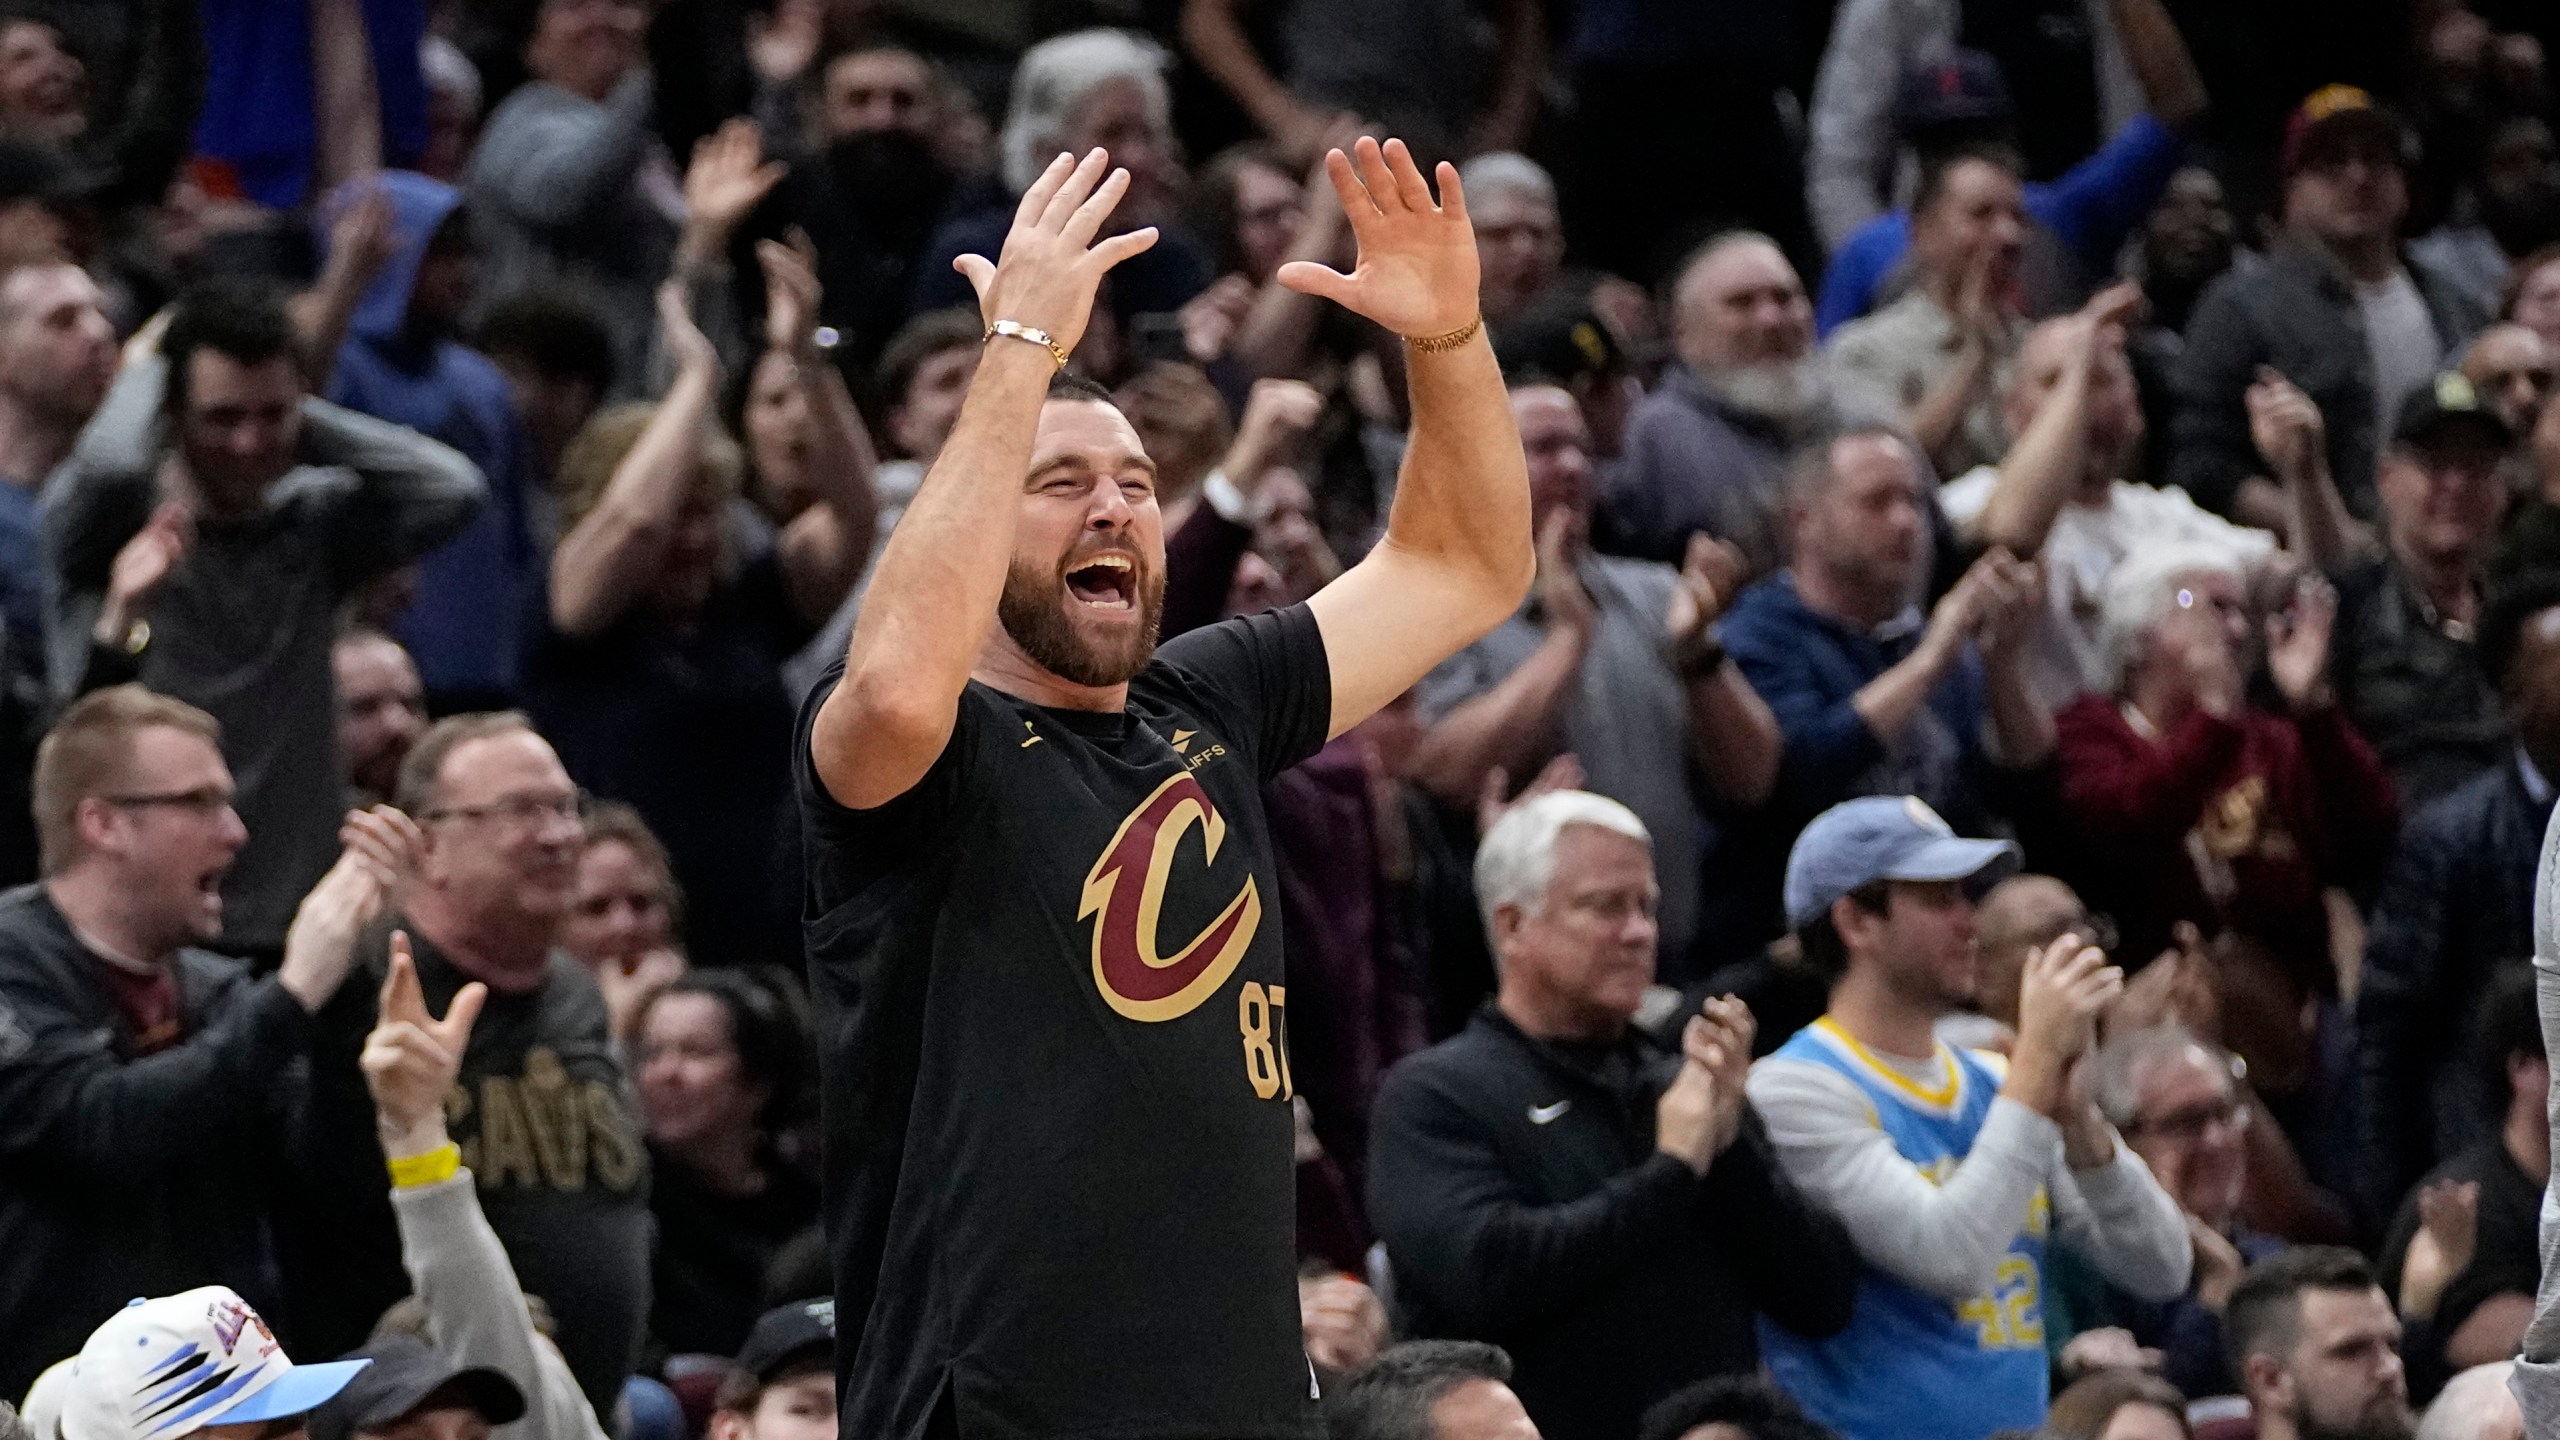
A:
x,y
2511,367
1738,302
2114,406
2021,915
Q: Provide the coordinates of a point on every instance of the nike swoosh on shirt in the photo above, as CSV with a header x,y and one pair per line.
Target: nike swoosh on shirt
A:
x,y
1546,1114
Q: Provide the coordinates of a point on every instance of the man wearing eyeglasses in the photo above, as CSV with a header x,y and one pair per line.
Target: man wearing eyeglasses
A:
x,y
538,1109
145,1083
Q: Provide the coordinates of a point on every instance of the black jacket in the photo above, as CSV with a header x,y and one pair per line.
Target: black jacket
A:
x,y
123,1174
2456,905
2296,311
1611,1273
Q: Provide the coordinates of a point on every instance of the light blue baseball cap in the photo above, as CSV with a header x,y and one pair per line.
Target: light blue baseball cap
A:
x,y
1883,837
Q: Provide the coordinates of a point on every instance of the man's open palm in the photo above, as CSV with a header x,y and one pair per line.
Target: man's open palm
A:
x,y
1417,270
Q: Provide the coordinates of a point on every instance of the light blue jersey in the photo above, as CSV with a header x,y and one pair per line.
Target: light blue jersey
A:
x,y
1912,1365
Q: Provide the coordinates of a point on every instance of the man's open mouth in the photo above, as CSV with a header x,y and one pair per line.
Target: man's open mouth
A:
x,y
1105,582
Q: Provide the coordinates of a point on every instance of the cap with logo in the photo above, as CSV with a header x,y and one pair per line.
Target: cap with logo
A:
x,y
404,1375
2448,403
1883,837
162,1368
1966,89
787,1333
2329,117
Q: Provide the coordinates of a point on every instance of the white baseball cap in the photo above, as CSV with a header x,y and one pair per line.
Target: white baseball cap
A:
x,y
160,1369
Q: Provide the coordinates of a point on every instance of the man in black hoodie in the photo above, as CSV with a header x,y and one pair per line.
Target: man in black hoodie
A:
x,y
1550,1181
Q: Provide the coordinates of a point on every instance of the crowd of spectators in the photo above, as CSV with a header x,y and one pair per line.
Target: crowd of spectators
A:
x,y
1987,890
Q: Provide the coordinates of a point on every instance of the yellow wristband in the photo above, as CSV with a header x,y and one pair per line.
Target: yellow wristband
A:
x,y
411,1171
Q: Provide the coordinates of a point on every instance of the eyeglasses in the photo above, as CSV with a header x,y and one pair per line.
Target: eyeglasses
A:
x,y
524,812
204,800
2192,1122
2093,929
2222,604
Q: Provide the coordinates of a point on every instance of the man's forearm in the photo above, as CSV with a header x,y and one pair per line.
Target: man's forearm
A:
x,y
1462,497
2161,64
2021,731
1513,726
1733,738
2038,474
1889,702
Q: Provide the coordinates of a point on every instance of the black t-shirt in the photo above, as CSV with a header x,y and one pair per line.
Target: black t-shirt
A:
x,y
708,1284
690,727
1054,1032
2507,1254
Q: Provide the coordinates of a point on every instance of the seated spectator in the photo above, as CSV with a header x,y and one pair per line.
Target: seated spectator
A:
x,y
2461,1257
1620,1245
2060,495
273,508
2187,244
57,360
2513,371
626,915
2514,205
406,1388
873,189
472,1311
2315,1345
2179,1102
1934,359
659,670
1563,339
491,889
1251,206
783,1386
146,1082
2118,1405
382,710
2406,667
403,362
120,1385
2478,1405
2194,804
1429,1390
720,1066
1615,661
2334,308
1071,94
1870,697
1511,200
1729,1407
2015,920
557,356
2456,906
1952,1177
2532,296
1707,449
570,186
2085,214
2531,538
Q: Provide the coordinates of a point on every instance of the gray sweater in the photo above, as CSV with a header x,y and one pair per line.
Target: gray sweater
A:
x,y
476,1311
243,626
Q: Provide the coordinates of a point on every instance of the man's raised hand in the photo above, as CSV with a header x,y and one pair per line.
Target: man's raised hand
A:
x,y
1417,271
412,1058
1050,267
381,844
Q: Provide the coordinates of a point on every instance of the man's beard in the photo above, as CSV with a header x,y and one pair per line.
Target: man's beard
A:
x,y
1786,393
1033,610
895,181
2399,1424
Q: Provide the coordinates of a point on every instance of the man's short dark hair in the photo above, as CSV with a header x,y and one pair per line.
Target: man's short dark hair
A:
x,y
2507,1026
2512,607
422,772
1824,952
1068,385
563,337
244,320
1390,1398
2264,1316
1940,166
1748,1403
917,341
1811,468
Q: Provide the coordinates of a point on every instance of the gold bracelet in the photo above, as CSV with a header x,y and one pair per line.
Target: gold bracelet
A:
x,y
440,1164
1015,329
1439,344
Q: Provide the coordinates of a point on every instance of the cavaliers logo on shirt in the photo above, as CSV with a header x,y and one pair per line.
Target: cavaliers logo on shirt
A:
x,y
1124,894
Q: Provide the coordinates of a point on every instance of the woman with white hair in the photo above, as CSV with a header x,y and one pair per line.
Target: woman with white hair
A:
x,y
1072,93
2193,803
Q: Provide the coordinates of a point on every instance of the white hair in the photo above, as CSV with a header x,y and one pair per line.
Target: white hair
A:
x,y
1506,172
1516,860
2126,1060
1053,80
2474,1404
2142,591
